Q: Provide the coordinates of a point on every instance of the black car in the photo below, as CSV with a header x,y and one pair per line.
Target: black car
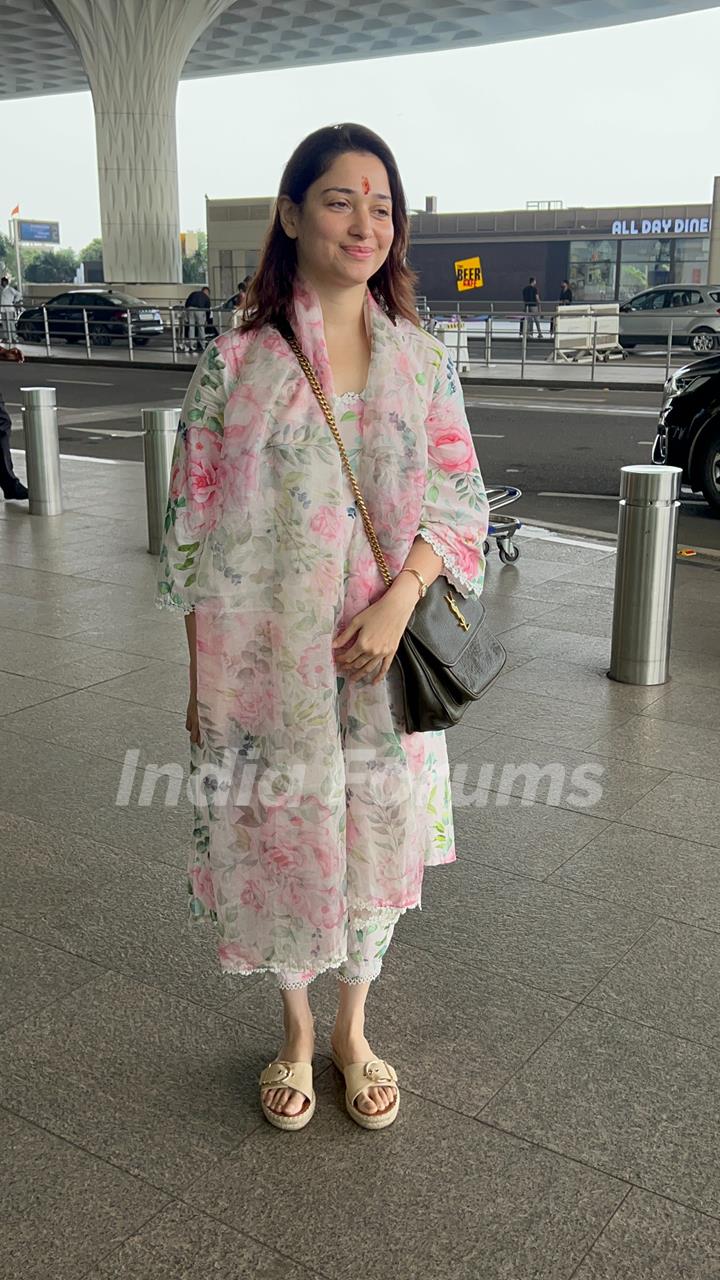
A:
x,y
107,318
689,427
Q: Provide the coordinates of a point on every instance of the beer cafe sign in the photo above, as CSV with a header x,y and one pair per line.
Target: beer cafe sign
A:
x,y
661,227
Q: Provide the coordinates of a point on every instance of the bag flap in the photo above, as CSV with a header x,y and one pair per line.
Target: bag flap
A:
x,y
438,628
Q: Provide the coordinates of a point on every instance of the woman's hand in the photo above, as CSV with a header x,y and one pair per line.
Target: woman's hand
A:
x,y
192,722
374,635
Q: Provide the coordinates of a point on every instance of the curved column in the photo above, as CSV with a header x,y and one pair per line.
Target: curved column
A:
x,y
134,52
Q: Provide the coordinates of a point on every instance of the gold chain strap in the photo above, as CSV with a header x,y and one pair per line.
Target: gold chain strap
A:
x,y
330,417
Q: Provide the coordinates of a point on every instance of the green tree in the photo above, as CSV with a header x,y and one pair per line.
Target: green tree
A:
x,y
194,268
7,255
49,266
92,251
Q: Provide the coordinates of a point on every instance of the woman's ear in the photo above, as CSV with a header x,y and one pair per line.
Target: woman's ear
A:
x,y
288,214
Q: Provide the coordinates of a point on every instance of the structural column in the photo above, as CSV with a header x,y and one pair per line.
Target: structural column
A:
x,y
134,52
714,259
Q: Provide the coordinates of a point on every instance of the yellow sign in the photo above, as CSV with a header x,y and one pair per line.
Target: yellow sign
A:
x,y
468,274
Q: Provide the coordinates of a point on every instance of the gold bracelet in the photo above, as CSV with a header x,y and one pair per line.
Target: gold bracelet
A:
x,y
421,580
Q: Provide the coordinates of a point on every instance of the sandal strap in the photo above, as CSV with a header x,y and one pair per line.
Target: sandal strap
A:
x,y
365,1075
289,1075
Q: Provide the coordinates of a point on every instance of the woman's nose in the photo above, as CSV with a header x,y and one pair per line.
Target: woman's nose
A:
x,y
360,225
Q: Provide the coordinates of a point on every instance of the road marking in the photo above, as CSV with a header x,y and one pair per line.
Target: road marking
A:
x,y
596,497
79,382
478,435
105,462
599,411
650,442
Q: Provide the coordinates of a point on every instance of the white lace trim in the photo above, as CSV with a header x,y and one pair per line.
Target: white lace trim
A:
x,y
349,396
452,568
173,604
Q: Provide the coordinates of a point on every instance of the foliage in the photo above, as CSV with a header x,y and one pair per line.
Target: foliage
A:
x,y
92,251
195,268
49,266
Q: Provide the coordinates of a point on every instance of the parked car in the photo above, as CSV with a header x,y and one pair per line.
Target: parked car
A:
x,y
693,309
689,428
107,313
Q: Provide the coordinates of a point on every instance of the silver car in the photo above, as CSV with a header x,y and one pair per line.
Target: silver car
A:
x,y
693,310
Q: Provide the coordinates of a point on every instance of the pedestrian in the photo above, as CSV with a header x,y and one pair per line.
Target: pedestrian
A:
x,y
565,298
319,811
197,308
531,299
11,486
10,298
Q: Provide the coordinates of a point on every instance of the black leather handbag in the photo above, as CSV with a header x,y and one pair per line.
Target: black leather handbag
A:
x,y
447,656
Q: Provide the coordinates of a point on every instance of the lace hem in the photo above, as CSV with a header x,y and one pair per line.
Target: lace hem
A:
x,y
453,572
174,604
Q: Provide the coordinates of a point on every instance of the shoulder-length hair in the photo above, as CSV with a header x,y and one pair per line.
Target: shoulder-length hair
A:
x,y
271,289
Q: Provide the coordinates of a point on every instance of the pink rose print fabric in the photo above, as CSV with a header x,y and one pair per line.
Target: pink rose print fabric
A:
x,y
313,806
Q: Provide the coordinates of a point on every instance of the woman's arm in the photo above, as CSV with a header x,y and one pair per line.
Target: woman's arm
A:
x,y
191,632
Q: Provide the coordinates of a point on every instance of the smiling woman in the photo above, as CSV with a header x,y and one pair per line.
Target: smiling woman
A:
x,y
308,853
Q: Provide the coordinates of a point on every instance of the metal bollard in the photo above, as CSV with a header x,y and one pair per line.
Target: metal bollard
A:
x,y
159,431
42,451
645,574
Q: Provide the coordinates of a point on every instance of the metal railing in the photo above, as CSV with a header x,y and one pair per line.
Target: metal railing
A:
x,y
497,338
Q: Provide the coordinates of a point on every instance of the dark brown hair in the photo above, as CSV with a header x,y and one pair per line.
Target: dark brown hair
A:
x,y
393,286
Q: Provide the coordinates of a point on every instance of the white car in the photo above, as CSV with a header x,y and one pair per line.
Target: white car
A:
x,y
693,309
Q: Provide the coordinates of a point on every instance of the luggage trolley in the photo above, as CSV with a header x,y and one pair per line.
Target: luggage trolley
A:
x,y
503,528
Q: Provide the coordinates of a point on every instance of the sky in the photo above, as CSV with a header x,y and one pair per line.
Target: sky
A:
x,y
624,115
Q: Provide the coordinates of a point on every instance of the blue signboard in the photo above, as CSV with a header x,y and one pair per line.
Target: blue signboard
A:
x,y
39,232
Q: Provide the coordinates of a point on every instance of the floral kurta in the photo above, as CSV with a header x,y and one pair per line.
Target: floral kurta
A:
x,y
314,807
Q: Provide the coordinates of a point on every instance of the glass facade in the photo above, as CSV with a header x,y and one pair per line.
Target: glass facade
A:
x,y
691,259
591,267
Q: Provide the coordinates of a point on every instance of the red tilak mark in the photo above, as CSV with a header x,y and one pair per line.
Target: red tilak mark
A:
x,y
365,187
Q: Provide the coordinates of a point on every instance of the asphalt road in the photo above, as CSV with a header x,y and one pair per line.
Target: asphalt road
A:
x,y
563,448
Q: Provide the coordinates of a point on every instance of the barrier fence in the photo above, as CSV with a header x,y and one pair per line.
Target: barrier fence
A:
x,y
502,337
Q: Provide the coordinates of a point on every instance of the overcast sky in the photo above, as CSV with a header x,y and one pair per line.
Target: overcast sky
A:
x,y
625,115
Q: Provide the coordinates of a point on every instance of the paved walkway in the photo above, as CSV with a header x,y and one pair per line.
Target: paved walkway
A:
x,y
554,1010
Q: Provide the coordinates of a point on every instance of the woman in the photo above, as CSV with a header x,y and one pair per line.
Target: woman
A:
x,y
319,813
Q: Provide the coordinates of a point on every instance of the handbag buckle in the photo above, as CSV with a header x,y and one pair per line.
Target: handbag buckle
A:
x,y
462,621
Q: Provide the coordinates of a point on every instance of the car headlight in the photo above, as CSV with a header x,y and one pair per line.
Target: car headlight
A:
x,y
681,382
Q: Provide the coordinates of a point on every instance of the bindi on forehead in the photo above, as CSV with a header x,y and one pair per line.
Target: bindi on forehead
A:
x,y
365,184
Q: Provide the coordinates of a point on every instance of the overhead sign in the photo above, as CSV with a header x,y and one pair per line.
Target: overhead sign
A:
x,y
38,232
468,274
661,227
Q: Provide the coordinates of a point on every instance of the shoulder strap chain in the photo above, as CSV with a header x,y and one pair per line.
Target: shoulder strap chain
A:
x,y
330,418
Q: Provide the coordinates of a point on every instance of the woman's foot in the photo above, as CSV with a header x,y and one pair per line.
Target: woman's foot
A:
x,y
298,1046
349,1045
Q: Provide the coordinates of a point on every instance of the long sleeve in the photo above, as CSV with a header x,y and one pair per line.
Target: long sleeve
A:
x,y
454,516
195,491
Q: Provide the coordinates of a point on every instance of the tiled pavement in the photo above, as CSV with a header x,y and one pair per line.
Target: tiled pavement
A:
x,y
554,1010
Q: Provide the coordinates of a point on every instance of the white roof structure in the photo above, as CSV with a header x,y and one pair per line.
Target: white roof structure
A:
x,y
40,56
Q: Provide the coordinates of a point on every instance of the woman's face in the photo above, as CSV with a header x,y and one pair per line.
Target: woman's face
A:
x,y
344,228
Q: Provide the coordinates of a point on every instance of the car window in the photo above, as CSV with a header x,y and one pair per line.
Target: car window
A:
x,y
715,295
81,299
61,300
126,300
642,303
657,300
684,298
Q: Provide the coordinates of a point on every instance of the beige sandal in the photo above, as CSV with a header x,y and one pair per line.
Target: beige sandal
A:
x,y
288,1075
360,1076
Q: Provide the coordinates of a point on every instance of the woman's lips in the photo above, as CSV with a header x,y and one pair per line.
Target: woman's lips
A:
x,y
354,252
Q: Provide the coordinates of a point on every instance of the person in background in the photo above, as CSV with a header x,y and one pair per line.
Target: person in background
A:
x,y
531,299
12,487
565,297
198,307
10,297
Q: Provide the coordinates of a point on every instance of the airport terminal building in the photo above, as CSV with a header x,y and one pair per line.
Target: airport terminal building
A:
x,y
606,254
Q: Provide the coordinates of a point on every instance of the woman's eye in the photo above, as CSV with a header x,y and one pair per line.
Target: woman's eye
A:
x,y
384,213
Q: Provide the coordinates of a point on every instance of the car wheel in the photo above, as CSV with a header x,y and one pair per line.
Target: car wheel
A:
x,y
70,341
31,333
710,473
703,342
101,336
141,342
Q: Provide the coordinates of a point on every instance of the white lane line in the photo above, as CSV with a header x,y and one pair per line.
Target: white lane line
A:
x,y
596,497
104,462
479,435
649,442
594,411
79,382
